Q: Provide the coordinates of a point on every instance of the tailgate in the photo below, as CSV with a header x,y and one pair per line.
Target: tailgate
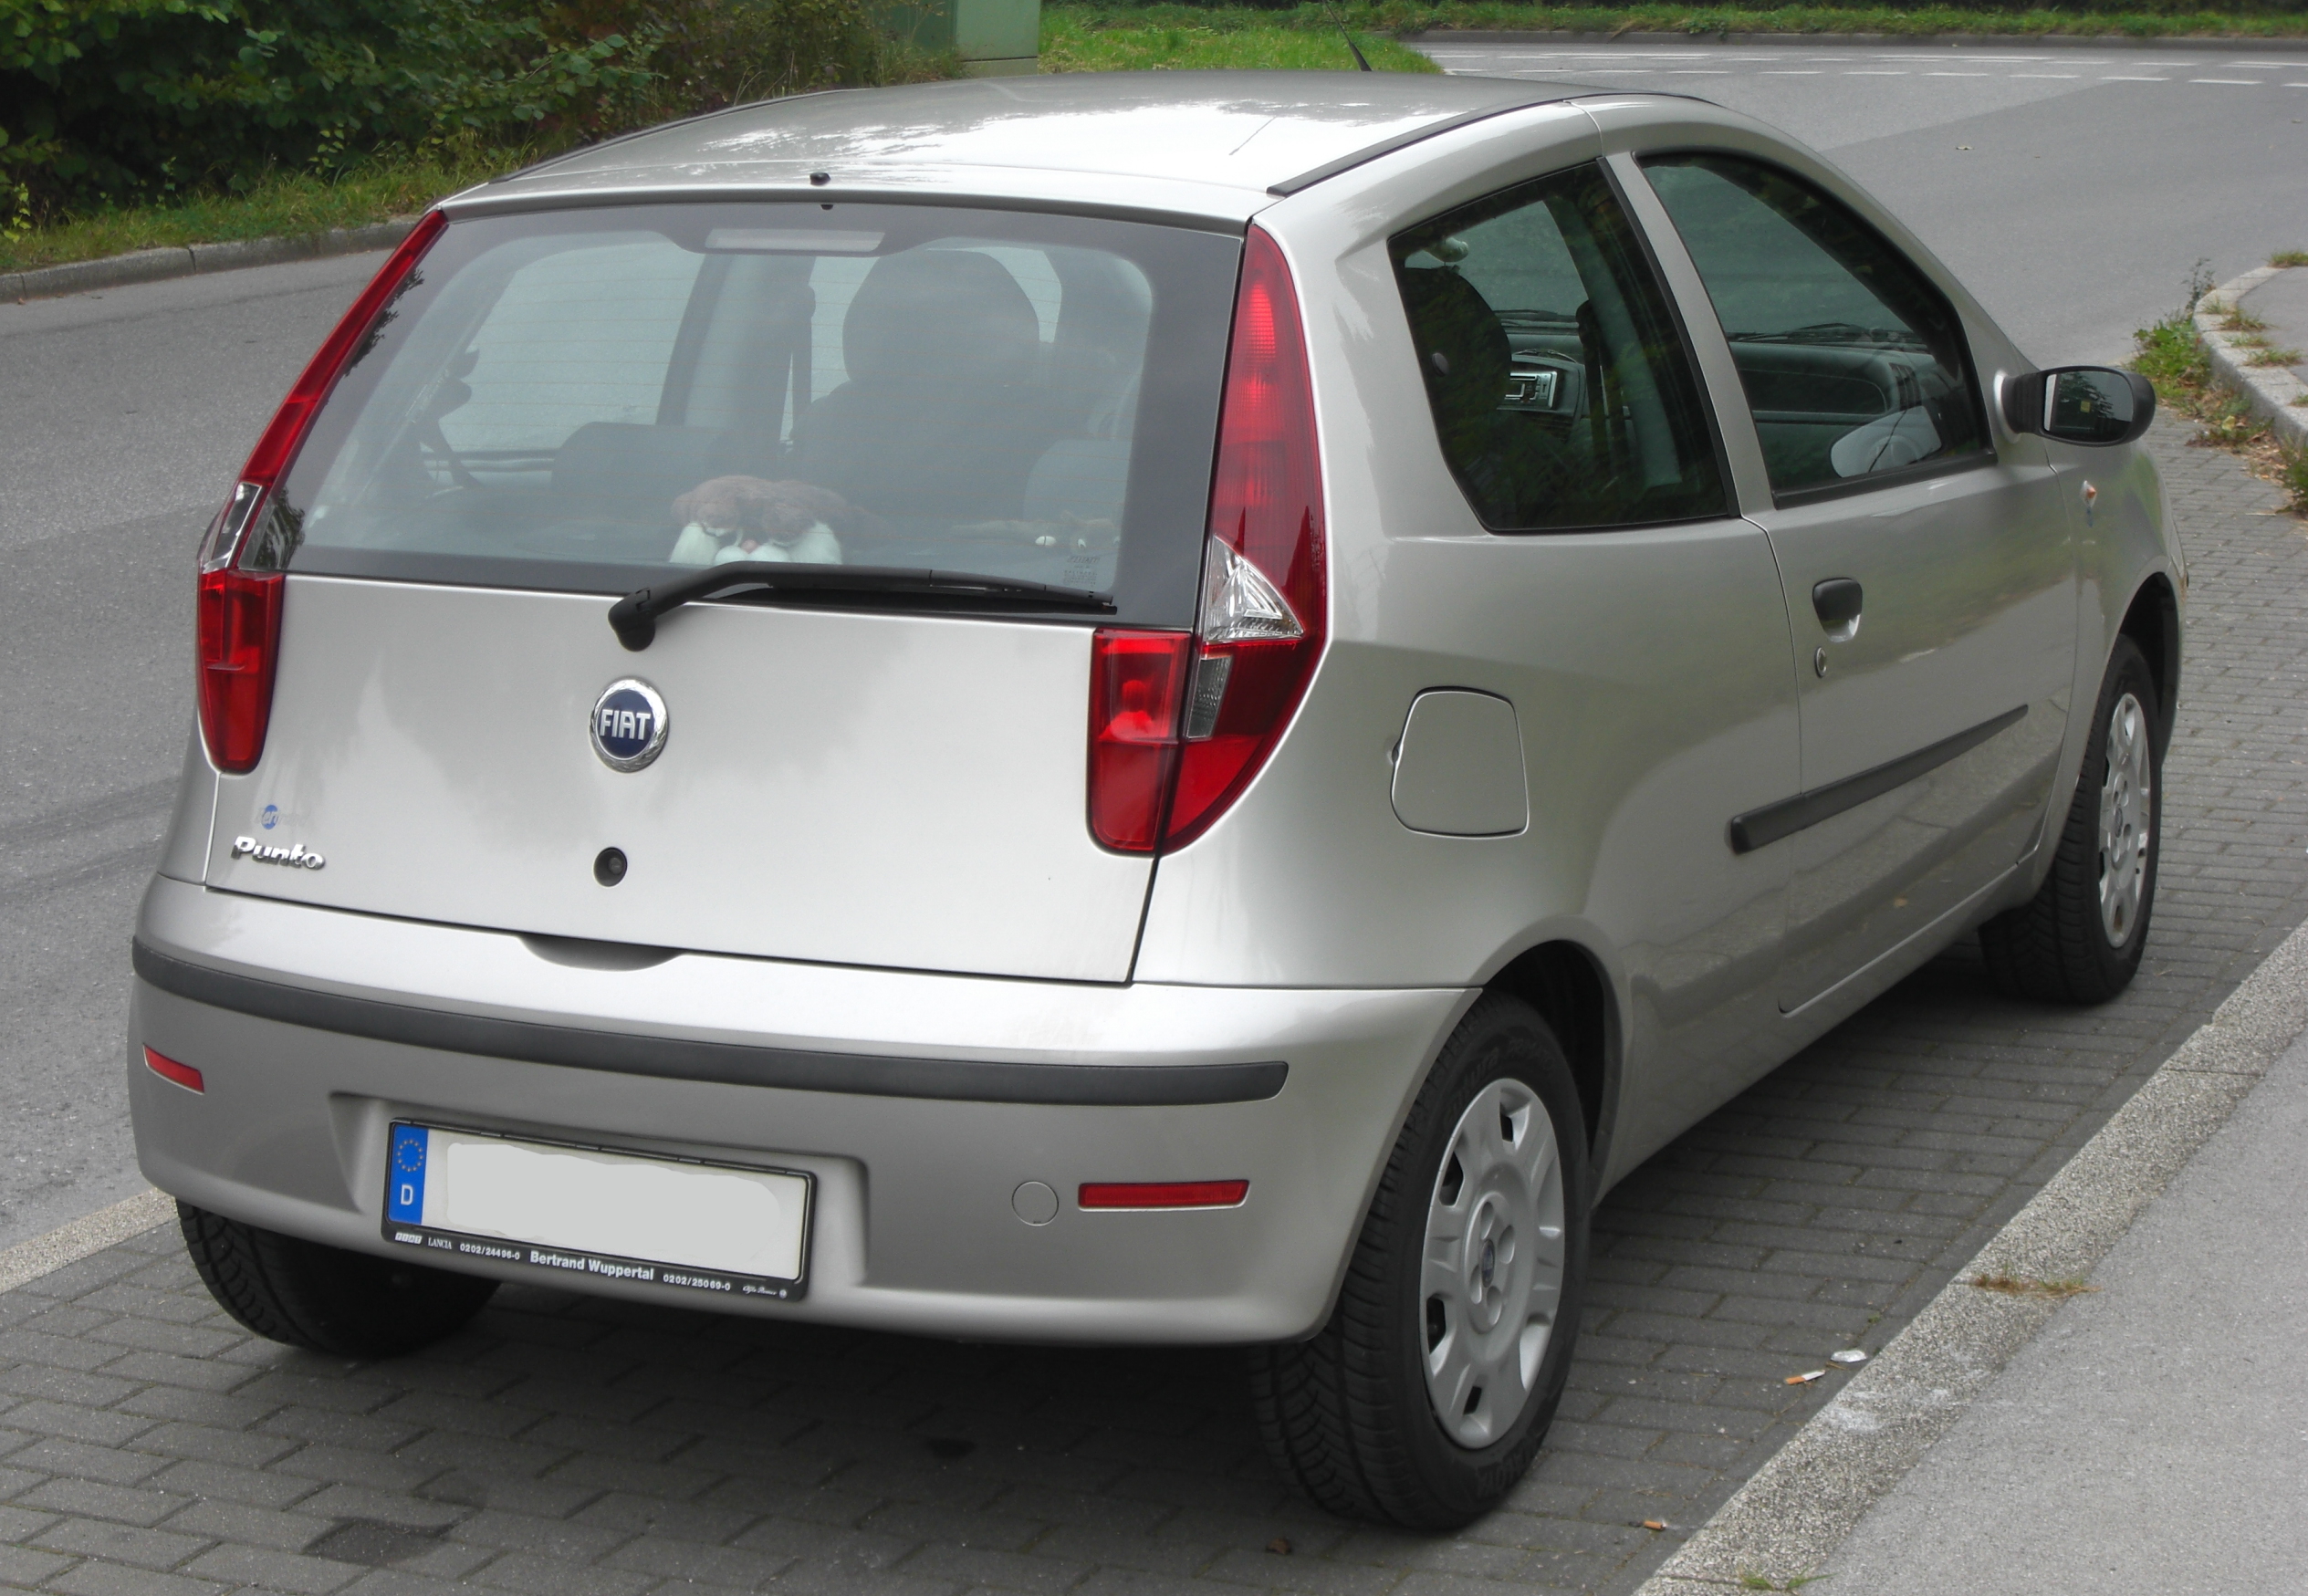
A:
x,y
900,790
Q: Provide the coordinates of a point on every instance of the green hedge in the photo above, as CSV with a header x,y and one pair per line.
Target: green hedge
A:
x,y
108,102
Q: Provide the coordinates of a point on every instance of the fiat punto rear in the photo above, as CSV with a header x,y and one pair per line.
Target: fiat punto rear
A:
x,y
1144,709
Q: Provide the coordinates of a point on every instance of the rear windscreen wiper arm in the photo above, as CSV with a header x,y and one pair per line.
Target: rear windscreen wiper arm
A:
x,y
634,616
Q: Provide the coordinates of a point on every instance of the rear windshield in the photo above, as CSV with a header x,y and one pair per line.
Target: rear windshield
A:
x,y
589,401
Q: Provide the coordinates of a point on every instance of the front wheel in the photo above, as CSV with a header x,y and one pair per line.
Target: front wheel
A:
x,y
2079,938
1425,1396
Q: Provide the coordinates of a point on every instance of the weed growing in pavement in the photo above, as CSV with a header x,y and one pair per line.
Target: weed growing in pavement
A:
x,y
2171,355
2200,282
1749,1581
2292,471
2028,1286
2289,257
2264,356
2242,320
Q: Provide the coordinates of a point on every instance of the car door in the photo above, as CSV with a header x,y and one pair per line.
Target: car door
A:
x,y
1928,577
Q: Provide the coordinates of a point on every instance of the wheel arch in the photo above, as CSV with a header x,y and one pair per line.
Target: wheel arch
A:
x,y
2152,622
1568,985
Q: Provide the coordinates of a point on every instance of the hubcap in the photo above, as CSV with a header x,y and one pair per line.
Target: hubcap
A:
x,y
2126,806
1492,1272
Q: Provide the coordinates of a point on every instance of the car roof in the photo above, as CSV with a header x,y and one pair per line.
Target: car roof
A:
x,y
1214,144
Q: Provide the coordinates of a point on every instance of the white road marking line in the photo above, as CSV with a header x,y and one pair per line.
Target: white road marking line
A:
x,y
92,1232
1696,72
2046,74
1870,72
2135,80
1956,74
2235,82
1789,72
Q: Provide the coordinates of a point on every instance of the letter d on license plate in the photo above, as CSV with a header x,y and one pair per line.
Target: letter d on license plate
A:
x,y
716,1228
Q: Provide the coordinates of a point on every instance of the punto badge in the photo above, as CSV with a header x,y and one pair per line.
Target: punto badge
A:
x,y
629,725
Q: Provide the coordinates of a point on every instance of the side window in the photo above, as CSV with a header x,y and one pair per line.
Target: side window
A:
x,y
1561,392
1853,363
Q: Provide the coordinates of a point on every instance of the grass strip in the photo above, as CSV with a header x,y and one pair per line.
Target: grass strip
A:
x,y
1128,39
282,205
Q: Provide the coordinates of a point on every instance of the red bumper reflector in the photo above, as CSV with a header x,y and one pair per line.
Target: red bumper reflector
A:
x,y
168,1068
1163,1193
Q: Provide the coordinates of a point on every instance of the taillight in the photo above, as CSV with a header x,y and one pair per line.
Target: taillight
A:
x,y
239,629
1264,597
1264,602
1136,679
248,543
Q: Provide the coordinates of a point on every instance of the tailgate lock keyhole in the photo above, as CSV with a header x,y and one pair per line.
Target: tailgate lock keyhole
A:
x,y
609,866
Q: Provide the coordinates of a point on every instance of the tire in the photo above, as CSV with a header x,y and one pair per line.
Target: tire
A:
x,y
2079,938
324,1297
1348,1416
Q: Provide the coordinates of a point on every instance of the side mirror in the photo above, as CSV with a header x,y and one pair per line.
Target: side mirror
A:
x,y
2080,404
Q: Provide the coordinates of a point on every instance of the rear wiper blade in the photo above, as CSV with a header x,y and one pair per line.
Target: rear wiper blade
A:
x,y
634,616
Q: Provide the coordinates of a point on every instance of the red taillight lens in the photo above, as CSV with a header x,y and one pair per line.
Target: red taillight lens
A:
x,y
239,642
168,1068
1163,1194
277,448
1208,710
1262,628
240,580
1138,680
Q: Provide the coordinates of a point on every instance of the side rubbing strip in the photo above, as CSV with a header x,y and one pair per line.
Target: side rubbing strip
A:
x,y
1789,816
684,1059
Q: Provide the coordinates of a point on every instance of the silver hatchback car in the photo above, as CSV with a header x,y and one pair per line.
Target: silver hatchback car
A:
x,y
1179,708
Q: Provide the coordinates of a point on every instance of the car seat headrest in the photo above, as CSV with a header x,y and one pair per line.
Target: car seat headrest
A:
x,y
940,316
1463,352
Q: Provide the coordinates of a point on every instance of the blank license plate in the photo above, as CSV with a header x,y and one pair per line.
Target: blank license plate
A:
x,y
713,1227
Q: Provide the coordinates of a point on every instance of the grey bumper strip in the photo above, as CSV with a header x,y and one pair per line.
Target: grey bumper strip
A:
x,y
1784,819
684,1059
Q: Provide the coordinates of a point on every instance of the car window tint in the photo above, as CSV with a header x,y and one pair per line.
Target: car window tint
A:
x,y
921,387
1561,392
1853,363
583,335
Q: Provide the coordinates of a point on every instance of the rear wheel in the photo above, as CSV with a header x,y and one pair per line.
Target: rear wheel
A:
x,y
2079,938
324,1297
1425,1398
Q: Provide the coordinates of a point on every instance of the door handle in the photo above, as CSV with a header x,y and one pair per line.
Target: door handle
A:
x,y
1836,602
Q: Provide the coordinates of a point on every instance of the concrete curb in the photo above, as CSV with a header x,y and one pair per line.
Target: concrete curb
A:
x,y
1991,41
92,1232
152,266
1806,1500
2271,391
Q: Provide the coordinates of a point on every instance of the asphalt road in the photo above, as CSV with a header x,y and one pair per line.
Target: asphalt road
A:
x,y
123,418
2072,190
2091,181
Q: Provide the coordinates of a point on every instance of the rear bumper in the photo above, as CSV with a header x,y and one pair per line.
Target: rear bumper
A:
x,y
920,1103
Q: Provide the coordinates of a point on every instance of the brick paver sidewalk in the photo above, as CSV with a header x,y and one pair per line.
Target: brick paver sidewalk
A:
x,y
572,1447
